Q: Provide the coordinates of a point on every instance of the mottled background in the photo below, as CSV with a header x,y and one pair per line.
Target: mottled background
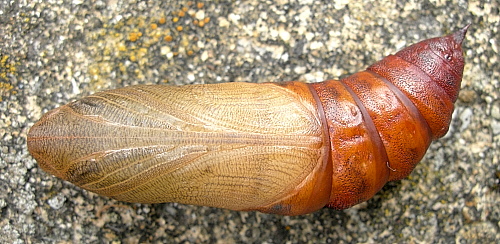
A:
x,y
52,52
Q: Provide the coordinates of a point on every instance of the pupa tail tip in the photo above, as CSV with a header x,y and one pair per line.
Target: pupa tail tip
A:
x,y
459,36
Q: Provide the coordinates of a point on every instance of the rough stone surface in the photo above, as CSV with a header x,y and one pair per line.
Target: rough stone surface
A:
x,y
52,52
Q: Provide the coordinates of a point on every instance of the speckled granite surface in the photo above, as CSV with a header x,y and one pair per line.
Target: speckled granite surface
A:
x,y
52,52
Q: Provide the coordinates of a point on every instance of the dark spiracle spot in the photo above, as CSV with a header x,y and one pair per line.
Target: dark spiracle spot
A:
x,y
84,172
86,105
